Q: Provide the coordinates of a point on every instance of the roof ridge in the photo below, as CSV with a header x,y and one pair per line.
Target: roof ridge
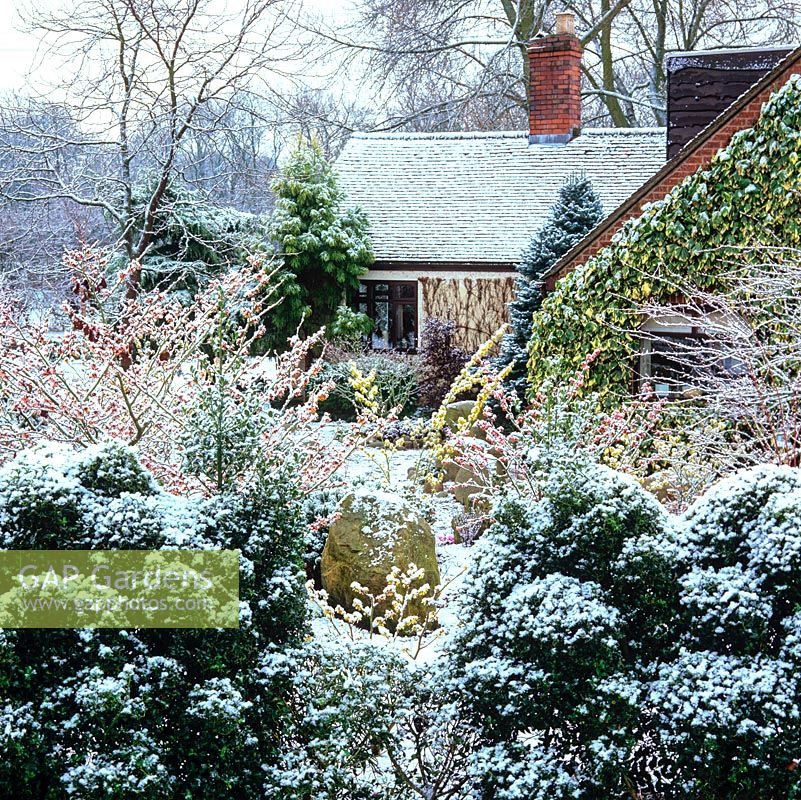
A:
x,y
438,134
623,131
631,208
422,135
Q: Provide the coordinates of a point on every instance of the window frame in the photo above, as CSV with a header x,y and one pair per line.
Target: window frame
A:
x,y
645,362
684,325
368,300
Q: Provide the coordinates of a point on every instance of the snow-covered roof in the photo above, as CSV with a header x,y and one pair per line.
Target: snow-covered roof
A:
x,y
480,197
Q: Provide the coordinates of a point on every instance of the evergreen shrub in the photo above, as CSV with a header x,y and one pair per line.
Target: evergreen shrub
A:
x,y
609,650
145,713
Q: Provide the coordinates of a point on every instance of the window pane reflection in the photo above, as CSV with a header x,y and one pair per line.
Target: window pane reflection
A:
x,y
393,308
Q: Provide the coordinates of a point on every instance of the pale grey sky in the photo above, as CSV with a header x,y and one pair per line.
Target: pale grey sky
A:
x,y
19,51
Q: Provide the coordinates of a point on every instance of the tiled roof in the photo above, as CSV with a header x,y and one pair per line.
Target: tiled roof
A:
x,y
480,197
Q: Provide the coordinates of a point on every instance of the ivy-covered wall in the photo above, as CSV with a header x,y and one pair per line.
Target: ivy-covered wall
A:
x,y
750,195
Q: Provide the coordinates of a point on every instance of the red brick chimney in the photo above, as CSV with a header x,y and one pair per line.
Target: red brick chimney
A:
x,y
554,95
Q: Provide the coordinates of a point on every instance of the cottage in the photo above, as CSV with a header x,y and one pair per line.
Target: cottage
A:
x,y
451,213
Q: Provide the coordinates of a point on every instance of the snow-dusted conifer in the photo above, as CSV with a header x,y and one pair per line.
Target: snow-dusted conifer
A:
x,y
324,243
576,211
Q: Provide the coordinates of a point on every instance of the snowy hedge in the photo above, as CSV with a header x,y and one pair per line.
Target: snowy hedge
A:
x,y
144,713
609,648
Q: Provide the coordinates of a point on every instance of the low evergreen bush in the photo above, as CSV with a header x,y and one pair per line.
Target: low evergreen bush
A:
x,y
145,713
609,650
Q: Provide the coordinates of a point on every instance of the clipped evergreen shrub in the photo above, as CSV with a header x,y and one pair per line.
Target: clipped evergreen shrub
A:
x,y
145,713
609,650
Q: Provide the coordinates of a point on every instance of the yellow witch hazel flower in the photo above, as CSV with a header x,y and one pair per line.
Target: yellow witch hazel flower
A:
x,y
406,609
471,380
365,389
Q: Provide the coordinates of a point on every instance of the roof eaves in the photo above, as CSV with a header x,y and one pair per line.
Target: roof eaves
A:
x,y
683,155
457,265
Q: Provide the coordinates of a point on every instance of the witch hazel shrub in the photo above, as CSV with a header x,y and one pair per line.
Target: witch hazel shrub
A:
x,y
608,649
177,380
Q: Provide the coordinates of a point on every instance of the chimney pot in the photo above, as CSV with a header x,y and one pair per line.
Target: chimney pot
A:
x,y
554,92
565,22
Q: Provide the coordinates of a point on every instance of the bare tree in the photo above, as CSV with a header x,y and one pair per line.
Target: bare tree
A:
x,y
735,353
34,236
655,27
446,64
230,154
154,86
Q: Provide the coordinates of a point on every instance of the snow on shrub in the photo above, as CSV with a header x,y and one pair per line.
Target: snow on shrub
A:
x,y
341,709
364,723
725,609
592,511
146,713
774,545
512,771
724,723
558,619
717,525
635,653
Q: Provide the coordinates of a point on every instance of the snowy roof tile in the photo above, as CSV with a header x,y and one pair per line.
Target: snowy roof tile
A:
x,y
479,197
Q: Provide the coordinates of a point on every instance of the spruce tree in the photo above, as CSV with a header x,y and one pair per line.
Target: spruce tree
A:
x,y
324,244
576,211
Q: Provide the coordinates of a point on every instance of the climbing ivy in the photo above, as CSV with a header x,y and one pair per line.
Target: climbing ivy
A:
x,y
748,197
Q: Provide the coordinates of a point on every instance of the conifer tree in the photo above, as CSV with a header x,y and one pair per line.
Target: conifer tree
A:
x,y
576,211
193,240
325,245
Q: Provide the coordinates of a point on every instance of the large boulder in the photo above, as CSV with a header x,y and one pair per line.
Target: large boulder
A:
x,y
376,531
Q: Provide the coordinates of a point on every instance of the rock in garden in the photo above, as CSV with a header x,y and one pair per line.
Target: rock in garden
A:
x,y
456,411
375,532
462,410
466,483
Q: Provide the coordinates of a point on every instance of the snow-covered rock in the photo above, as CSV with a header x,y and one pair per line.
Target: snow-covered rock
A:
x,y
374,532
